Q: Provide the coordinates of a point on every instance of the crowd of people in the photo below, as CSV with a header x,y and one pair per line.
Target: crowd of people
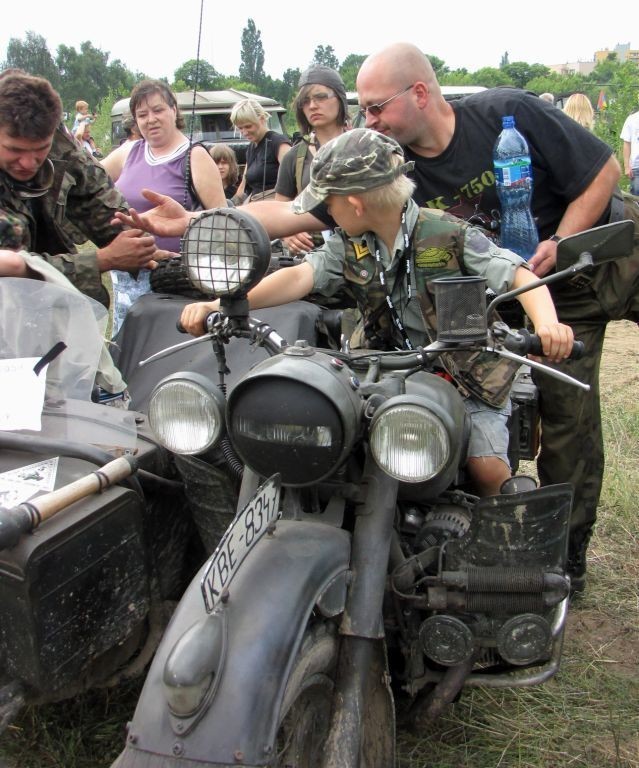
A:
x,y
421,165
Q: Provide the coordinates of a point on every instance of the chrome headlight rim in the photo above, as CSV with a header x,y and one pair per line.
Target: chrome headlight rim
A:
x,y
430,415
211,398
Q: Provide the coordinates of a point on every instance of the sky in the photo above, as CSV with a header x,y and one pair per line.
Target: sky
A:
x,y
156,38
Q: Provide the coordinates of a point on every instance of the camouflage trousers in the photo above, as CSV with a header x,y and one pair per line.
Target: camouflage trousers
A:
x,y
572,443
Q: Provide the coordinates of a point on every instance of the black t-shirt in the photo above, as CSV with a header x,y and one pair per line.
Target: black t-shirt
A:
x,y
261,162
565,157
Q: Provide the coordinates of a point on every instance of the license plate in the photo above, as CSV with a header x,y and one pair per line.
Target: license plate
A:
x,y
241,536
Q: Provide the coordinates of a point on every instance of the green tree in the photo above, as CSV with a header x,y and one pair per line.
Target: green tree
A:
x,y
491,77
621,93
503,62
438,65
252,55
33,56
324,55
520,72
349,69
198,75
84,75
558,85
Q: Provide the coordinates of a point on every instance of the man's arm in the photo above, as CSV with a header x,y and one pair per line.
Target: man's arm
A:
x,y
626,159
170,219
582,213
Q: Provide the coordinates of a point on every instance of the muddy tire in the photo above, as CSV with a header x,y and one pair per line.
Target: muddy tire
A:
x,y
305,717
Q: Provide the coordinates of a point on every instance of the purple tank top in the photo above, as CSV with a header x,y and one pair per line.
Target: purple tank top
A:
x,y
166,178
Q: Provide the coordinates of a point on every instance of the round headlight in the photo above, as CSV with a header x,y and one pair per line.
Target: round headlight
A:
x,y
408,441
186,413
295,414
225,251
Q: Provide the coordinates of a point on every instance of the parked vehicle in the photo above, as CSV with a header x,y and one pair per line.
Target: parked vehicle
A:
x,y
85,592
208,117
359,568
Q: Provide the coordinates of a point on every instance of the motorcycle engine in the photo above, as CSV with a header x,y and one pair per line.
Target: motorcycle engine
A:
x,y
441,524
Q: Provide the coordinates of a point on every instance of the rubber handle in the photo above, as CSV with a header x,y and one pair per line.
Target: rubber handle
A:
x,y
530,344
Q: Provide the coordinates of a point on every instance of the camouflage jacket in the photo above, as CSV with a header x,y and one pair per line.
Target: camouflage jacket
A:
x,y
78,205
442,246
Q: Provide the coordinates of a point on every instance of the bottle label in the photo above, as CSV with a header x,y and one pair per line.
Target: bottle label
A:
x,y
512,173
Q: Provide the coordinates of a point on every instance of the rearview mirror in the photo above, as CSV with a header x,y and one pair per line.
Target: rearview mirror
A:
x,y
605,243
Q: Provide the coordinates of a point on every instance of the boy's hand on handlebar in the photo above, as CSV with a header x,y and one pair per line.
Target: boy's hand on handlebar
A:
x,y
556,339
194,316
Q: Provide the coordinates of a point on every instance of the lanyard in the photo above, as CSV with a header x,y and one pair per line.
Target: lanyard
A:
x,y
404,264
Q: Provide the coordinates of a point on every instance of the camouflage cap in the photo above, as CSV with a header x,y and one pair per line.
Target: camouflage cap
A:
x,y
355,162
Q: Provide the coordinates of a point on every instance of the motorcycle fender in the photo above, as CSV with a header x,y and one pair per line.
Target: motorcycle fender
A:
x,y
270,600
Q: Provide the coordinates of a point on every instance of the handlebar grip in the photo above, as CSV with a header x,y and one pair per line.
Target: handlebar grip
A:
x,y
530,344
180,327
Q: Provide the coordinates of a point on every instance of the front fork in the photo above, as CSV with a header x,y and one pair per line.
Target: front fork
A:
x,y
362,625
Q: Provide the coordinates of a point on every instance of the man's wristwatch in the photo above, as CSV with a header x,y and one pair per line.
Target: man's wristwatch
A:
x,y
555,238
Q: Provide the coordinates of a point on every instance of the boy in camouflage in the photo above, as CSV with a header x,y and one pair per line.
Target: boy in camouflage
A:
x,y
360,175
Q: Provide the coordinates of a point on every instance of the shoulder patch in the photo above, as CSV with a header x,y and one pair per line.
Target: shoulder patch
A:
x,y
432,257
361,250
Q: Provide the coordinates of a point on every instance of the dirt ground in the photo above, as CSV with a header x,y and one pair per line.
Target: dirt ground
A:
x,y
604,633
620,361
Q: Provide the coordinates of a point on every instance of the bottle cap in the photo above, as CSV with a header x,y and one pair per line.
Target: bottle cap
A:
x,y
508,121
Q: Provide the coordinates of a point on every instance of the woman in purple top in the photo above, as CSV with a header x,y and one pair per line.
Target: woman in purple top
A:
x,y
160,161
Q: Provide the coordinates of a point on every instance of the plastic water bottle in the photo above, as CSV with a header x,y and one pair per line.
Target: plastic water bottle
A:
x,y
513,178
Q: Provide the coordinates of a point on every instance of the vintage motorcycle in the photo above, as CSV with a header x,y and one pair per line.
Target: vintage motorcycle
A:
x,y
359,569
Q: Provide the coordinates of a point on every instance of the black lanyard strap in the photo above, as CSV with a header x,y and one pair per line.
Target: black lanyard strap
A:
x,y
405,264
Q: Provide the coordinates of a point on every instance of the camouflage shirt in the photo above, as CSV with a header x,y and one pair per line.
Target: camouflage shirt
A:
x,y
78,205
442,246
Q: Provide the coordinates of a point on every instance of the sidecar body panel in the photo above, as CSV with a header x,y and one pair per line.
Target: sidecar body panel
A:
x,y
270,601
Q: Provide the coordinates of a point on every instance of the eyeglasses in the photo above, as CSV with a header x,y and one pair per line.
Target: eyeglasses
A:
x,y
377,109
317,98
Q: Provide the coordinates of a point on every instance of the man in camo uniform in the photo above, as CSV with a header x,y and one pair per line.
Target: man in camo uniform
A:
x,y
53,195
360,176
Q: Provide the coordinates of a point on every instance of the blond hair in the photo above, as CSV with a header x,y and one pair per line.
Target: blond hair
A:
x,y
580,109
248,111
391,195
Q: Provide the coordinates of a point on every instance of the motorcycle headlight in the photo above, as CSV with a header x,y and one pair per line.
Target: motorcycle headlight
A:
x,y
225,251
296,414
186,413
408,441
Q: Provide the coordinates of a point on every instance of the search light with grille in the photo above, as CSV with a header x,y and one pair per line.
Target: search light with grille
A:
x,y
408,441
225,251
186,413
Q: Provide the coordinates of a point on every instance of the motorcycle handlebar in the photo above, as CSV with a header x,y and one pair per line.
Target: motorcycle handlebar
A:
x,y
526,343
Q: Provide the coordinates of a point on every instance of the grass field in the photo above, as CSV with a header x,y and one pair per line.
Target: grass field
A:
x,y
586,717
